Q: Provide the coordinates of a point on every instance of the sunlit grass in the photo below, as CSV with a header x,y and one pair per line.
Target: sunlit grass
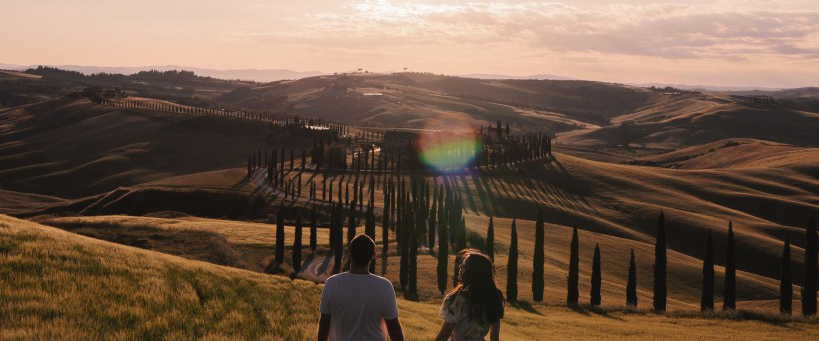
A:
x,y
58,285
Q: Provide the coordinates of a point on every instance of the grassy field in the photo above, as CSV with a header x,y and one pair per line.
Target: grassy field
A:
x,y
55,284
250,245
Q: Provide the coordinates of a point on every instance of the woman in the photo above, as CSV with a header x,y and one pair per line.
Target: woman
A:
x,y
475,307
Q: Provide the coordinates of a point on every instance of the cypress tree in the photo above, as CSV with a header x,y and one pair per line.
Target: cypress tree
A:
x,y
297,245
443,256
631,287
490,240
660,266
351,228
574,271
596,279
313,223
707,299
337,228
370,229
512,266
432,219
413,259
537,260
280,236
809,283
785,283
385,223
403,273
332,227
730,299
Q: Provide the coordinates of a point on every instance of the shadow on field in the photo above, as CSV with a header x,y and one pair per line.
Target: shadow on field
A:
x,y
523,305
192,244
588,310
775,319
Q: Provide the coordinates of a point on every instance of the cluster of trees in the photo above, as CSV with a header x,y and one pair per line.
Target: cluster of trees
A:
x,y
513,149
420,214
407,155
498,129
466,153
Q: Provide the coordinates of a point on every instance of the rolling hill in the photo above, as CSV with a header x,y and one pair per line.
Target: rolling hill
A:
x,y
733,153
584,113
694,119
436,101
73,148
57,284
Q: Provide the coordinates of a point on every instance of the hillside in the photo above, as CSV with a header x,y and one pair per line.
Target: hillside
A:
x,y
57,284
436,101
694,119
733,153
584,113
16,202
72,148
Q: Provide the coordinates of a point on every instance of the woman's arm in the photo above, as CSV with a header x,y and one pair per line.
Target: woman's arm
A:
x,y
446,331
494,331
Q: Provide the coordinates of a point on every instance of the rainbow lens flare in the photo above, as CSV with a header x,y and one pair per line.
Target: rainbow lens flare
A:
x,y
449,151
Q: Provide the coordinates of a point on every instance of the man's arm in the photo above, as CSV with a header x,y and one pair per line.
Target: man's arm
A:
x,y
324,327
394,329
494,331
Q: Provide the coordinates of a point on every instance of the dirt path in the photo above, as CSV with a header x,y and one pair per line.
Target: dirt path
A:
x,y
317,269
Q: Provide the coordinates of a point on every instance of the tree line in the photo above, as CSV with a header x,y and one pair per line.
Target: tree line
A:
x,y
266,117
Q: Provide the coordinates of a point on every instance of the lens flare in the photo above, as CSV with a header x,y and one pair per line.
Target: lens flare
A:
x,y
450,151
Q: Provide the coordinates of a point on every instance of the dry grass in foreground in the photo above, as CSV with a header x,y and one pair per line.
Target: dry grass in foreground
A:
x,y
59,285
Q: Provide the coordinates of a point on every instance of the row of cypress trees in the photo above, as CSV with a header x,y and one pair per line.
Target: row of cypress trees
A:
x,y
279,119
659,302
417,215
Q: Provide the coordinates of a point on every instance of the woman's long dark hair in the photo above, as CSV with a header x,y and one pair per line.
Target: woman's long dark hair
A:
x,y
477,284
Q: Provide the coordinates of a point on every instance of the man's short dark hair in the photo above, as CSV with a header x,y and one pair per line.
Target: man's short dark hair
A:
x,y
362,249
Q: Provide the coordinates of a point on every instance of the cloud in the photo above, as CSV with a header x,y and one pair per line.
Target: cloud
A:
x,y
727,30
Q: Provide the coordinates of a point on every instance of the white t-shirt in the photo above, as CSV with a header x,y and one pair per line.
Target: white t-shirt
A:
x,y
358,306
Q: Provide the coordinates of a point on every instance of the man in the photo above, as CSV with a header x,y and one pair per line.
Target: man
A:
x,y
357,305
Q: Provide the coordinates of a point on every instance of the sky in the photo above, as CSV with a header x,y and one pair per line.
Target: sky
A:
x,y
771,43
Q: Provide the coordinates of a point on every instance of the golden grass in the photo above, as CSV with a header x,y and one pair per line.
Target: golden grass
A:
x,y
58,285
254,244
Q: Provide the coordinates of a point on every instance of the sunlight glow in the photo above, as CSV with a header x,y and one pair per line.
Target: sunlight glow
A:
x,y
450,151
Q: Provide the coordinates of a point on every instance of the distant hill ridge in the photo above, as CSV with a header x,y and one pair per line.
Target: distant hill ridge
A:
x,y
258,75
